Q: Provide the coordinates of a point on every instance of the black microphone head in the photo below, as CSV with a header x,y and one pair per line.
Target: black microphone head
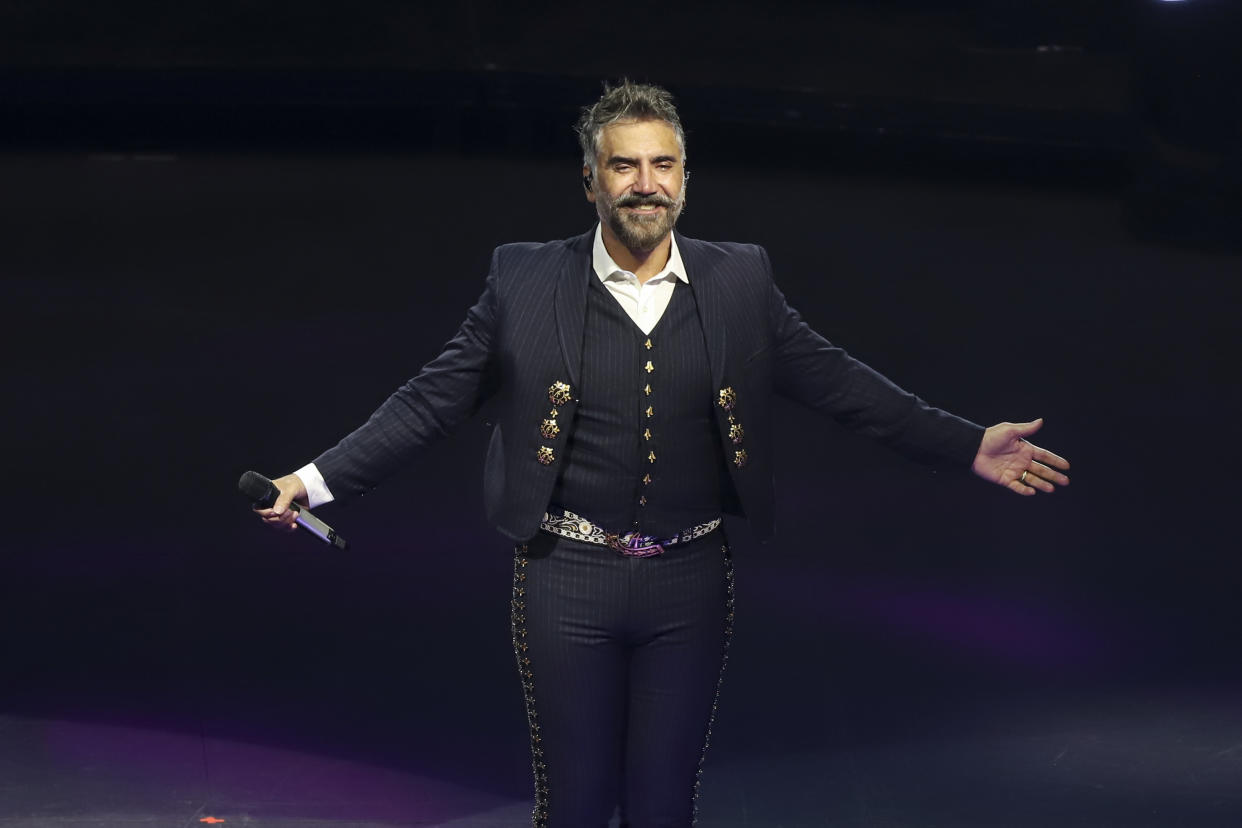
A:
x,y
259,489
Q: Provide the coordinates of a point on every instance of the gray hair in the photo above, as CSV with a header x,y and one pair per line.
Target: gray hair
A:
x,y
625,102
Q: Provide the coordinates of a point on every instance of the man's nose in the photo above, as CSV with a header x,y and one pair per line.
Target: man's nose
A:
x,y
644,181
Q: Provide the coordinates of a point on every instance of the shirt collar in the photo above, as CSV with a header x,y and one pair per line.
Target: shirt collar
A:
x,y
605,266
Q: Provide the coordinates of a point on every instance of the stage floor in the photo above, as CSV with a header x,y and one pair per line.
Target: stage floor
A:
x,y
1121,760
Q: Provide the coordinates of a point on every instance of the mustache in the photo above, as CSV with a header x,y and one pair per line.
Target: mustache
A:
x,y
644,201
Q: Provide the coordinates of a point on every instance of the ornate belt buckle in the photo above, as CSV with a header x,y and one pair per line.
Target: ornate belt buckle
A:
x,y
634,545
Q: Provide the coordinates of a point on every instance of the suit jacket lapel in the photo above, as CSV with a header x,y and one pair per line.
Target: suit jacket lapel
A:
x,y
708,297
570,303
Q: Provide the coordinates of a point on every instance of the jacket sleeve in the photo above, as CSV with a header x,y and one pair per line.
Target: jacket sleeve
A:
x,y
811,370
446,392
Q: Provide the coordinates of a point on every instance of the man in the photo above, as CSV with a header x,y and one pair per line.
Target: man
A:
x,y
633,369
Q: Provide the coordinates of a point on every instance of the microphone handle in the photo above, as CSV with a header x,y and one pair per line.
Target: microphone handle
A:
x,y
318,528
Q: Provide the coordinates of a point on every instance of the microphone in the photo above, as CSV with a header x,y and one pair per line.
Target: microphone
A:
x,y
264,493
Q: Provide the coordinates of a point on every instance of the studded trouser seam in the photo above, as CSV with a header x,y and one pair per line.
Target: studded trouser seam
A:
x,y
517,616
724,661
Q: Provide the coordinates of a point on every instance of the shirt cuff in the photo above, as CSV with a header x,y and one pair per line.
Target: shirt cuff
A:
x,y
317,492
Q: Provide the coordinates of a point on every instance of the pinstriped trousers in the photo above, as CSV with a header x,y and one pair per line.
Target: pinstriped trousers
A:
x,y
621,660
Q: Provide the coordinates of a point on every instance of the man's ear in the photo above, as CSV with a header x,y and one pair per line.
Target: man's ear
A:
x,y
588,183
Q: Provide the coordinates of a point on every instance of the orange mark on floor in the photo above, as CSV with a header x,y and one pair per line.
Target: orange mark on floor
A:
x,y
211,820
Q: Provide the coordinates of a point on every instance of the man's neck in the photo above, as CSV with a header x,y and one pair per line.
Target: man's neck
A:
x,y
642,263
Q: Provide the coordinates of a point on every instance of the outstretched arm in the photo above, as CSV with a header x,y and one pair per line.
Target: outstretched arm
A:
x,y
1007,459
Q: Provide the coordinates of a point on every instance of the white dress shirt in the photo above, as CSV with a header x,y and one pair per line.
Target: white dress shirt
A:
x,y
644,303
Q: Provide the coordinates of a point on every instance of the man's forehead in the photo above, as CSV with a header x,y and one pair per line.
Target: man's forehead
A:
x,y
652,133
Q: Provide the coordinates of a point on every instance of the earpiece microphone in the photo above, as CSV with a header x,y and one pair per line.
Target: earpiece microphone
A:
x,y
587,181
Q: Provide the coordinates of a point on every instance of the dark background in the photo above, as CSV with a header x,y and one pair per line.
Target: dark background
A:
x,y
229,229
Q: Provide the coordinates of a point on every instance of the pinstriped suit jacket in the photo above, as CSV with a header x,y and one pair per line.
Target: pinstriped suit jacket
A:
x,y
526,333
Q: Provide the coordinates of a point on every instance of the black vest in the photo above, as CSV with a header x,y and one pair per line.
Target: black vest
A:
x,y
644,451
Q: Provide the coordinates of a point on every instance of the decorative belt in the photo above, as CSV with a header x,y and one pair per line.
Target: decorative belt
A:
x,y
632,544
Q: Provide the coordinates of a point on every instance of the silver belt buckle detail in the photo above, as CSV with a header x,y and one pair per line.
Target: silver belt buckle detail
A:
x,y
634,545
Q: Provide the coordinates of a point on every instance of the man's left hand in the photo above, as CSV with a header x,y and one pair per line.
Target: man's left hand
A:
x,y
1006,458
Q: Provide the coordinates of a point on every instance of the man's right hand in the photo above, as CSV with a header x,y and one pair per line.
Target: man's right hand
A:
x,y
281,516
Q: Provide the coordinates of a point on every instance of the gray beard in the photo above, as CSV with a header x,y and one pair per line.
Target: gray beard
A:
x,y
643,233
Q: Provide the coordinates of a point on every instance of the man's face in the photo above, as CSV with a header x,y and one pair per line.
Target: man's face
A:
x,y
639,186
